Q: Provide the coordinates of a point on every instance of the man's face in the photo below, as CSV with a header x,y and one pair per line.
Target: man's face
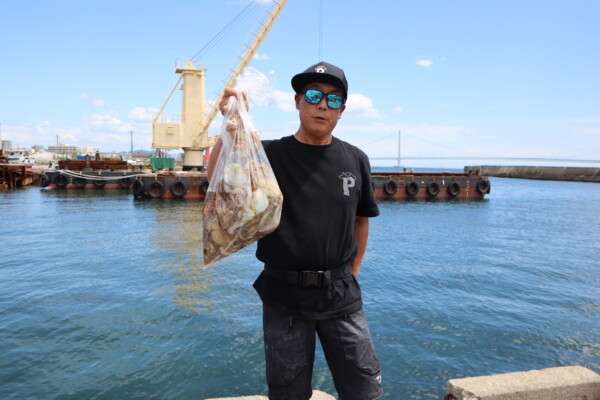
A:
x,y
319,120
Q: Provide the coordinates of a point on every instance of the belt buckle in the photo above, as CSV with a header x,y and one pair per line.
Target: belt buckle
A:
x,y
312,278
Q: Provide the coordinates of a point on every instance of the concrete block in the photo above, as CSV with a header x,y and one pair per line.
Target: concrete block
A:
x,y
317,395
561,383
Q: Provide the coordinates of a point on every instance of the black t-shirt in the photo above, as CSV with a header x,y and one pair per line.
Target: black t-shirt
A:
x,y
324,189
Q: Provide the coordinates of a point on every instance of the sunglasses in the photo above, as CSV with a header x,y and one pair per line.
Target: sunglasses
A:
x,y
314,96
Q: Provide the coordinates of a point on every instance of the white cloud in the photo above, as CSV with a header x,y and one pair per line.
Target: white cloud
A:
x,y
398,110
362,106
106,119
263,56
142,114
424,63
285,101
105,131
593,130
98,102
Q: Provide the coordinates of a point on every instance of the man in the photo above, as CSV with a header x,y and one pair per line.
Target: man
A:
x,y
309,286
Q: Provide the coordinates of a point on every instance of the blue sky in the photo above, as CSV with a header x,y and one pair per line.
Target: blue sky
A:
x,y
458,78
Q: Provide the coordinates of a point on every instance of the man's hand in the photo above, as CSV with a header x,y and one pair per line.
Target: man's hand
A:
x,y
216,150
229,92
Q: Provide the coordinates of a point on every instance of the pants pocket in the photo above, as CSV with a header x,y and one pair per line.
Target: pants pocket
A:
x,y
286,352
357,343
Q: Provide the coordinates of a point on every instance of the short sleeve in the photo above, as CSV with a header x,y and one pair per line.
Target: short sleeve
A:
x,y
367,206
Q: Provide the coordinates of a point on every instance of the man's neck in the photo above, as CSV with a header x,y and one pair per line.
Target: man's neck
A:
x,y
305,138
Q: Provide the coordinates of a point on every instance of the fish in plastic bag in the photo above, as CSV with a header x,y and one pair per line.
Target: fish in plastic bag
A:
x,y
243,201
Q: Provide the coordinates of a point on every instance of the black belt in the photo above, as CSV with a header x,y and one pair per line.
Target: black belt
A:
x,y
309,278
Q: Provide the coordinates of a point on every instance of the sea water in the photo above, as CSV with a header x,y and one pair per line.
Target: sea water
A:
x,y
105,297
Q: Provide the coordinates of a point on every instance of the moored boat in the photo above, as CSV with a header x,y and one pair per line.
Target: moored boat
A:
x,y
386,185
66,179
97,173
429,185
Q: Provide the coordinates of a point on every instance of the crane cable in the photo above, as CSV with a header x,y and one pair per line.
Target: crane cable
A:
x,y
321,30
225,31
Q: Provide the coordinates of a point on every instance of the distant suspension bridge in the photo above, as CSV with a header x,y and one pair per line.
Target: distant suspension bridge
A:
x,y
399,158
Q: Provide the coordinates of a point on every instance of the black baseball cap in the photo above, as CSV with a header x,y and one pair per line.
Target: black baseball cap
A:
x,y
321,72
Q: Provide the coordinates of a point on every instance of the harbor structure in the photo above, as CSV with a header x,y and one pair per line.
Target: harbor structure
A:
x,y
386,185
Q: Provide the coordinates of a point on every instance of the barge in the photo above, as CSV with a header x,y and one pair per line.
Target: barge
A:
x,y
171,185
386,185
98,173
429,185
66,179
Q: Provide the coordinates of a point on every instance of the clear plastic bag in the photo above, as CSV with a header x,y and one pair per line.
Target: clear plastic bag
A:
x,y
243,202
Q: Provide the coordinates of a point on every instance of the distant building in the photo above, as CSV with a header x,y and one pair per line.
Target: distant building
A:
x,y
38,148
89,149
6,145
64,149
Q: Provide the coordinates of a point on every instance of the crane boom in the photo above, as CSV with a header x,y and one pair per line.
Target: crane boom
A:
x,y
191,133
252,49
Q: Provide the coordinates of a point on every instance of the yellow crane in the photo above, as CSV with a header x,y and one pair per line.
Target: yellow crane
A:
x,y
191,132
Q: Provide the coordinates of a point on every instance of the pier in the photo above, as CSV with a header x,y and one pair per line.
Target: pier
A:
x,y
12,176
574,174
559,383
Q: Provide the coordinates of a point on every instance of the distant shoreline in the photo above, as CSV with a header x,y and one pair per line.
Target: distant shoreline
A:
x,y
573,174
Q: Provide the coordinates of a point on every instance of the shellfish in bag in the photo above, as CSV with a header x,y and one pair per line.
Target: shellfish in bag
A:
x,y
243,201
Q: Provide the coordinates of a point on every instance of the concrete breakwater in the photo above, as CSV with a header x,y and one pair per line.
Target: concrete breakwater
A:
x,y
575,174
559,383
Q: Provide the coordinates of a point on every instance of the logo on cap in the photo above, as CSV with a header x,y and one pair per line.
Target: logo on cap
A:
x,y
320,69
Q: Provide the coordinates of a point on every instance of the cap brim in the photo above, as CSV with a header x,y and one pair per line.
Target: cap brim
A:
x,y
301,80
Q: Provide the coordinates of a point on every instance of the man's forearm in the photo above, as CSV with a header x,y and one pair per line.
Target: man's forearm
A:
x,y
214,156
361,226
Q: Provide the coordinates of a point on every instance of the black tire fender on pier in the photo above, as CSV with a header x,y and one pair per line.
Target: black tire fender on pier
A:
x,y
61,181
99,183
204,187
124,182
178,189
412,188
433,188
156,189
454,189
138,188
483,186
79,182
390,187
44,180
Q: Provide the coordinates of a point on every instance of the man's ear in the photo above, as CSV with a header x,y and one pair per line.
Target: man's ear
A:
x,y
297,100
342,110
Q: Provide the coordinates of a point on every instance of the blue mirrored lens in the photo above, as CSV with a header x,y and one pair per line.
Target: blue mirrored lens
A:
x,y
335,101
314,96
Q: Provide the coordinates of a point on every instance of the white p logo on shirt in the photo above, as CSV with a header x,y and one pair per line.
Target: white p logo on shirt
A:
x,y
348,181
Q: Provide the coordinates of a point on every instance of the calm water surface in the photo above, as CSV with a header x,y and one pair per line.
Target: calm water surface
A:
x,y
104,297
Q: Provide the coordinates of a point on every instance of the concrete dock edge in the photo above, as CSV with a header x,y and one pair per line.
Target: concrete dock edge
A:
x,y
317,395
574,174
560,383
